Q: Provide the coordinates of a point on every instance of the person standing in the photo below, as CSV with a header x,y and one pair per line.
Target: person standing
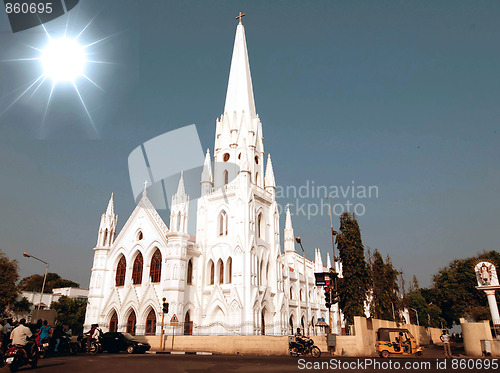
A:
x,y
7,329
445,338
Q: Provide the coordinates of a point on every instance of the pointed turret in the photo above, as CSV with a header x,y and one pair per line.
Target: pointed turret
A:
x,y
181,191
180,208
328,261
110,211
207,168
239,97
107,228
320,261
289,237
244,163
269,181
206,175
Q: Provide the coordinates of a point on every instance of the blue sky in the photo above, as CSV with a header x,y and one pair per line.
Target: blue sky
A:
x,y
403,95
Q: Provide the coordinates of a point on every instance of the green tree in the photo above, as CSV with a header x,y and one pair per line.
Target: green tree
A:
x,y
70,312
8,279
54,281
353,287
22,304
414,286
454,290
385,303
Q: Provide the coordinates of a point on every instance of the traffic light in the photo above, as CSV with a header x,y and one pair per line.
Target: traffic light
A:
x,y
165,307
328,301
335,297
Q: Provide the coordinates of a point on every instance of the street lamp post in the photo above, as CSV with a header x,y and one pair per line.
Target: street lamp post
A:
x,y
416,313
299,241
25,254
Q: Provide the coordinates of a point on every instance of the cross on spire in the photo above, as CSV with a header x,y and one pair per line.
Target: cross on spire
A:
x,y
145,186
240,16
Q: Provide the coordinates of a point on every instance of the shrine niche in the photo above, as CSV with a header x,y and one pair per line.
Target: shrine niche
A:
x,y
486,274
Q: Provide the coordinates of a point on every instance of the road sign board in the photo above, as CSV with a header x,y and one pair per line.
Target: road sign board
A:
x,y
174,321
322,278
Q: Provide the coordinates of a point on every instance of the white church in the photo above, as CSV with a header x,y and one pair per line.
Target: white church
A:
x,y
231,278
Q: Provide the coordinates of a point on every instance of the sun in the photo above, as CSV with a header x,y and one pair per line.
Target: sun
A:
x,y
63,60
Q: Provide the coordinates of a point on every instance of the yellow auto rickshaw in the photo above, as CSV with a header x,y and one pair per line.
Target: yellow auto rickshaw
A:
x,y
396,341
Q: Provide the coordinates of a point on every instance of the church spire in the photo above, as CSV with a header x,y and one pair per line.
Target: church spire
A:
x,y
239,95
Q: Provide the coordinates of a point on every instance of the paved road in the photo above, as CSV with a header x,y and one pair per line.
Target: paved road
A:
x,y
151,363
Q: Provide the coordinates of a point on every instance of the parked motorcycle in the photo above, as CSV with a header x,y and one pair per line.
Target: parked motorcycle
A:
x,y
307,347
67,345
17,356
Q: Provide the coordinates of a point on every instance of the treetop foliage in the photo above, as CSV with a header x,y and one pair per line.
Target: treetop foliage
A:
x,y
70,312
54,281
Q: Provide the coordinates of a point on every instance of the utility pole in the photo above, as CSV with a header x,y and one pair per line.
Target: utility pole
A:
x,y
299,241
25,254
164,311
338,327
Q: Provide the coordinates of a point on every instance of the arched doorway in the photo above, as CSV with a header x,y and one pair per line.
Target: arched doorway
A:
x,y
113,322
291,324
151,323
302,324
131,321
262,323
188,324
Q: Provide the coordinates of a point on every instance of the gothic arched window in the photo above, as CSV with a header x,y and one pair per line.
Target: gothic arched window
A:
x,y
151,323
113,323
220,268
229,266
211,272
189,277
121,269
225,177
137,270
223,223
131,321
257,178
291,292
260,226
178,221
155,268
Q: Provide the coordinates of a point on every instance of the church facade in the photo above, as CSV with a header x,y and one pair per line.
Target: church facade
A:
x,y
232,277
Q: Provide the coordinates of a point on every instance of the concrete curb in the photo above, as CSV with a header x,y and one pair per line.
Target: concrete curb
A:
x,y
179,353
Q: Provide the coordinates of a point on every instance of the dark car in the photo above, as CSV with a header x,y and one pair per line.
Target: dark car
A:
x,y
116,341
